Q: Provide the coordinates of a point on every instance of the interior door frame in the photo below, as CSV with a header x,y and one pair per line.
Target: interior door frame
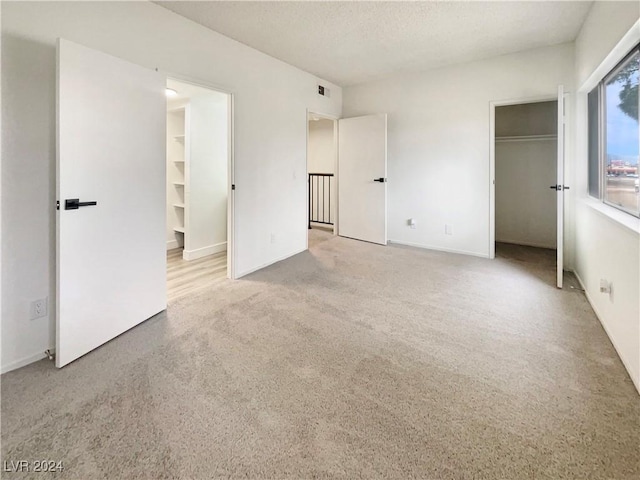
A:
x,y
334,119
492,157
231,250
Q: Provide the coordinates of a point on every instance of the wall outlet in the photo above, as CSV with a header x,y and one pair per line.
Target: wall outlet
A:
x,y
39,308
412,223
605,287
448,229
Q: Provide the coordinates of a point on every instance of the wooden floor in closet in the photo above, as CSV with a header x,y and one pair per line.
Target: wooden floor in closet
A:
x,y
184,277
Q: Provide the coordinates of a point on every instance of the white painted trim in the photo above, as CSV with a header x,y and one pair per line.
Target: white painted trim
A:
x,y
636,381
172,244
439,249
492,180
622,48
23,362
264,265
204,251
231,194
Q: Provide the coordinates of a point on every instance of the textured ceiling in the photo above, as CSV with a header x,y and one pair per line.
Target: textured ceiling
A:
x,y
354,42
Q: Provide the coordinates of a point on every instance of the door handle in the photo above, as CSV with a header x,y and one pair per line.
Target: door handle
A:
x,y
75,203
381,179
559,187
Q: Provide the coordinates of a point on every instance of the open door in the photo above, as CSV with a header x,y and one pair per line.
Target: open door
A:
x,y
560,188
111,257
362,177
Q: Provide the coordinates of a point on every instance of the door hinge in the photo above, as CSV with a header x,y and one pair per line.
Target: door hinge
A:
x,y
233,186
57,204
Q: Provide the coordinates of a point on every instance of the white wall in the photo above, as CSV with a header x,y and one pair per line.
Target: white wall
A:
x,y
526,209
438,140
206,190
321,149
607,241
525,206
270,157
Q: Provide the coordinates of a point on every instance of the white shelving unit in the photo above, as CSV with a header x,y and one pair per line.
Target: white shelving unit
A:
x,y
177,159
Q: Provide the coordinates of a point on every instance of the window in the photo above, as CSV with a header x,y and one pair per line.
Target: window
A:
x,y
614,136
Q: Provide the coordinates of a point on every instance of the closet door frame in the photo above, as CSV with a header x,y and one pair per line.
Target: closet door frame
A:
x,y
552,97
231,251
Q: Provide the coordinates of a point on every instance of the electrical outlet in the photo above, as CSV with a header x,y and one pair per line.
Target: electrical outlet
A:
x,y
605,286
412,223
448,229
38,308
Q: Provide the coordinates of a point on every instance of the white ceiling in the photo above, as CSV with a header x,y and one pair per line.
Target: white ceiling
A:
x,y
357,41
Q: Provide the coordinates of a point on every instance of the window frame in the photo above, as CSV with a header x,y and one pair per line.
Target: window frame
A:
x,y
602,133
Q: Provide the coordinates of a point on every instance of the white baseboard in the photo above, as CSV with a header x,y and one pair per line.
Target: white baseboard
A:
x,y
439,249
23,362
204,251
636,381
264,265
171,244
528,244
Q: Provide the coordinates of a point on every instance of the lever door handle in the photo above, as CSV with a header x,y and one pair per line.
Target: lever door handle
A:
x,y
559,187
381,179
75,203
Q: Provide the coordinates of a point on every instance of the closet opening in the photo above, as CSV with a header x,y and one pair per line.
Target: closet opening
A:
x,y
322,181
526,166
198,187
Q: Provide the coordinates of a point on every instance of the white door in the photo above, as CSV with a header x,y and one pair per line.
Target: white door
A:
x,y
111,259
362,177
560,188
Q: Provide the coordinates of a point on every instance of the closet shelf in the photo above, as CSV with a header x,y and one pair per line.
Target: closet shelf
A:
x,y
526,138
178,205
178,229
178,161
178,138
179,184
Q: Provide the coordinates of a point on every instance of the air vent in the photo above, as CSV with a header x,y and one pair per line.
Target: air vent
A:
x,y
324,91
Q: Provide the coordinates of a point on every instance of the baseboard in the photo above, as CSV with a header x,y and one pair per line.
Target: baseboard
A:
x,y
636,381
204,251
265,265
439,249
323,226
527,244
171,244
23,362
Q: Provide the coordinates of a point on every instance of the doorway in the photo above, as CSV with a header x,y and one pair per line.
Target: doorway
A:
x,y
322,182
197,166
526,166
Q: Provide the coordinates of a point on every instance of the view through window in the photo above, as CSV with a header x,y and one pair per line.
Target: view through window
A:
x,y
622,136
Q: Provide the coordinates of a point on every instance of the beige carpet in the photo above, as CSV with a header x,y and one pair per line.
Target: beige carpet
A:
x,y
351,360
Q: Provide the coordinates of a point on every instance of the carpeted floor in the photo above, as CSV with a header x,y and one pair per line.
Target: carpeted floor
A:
x,y
350,360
